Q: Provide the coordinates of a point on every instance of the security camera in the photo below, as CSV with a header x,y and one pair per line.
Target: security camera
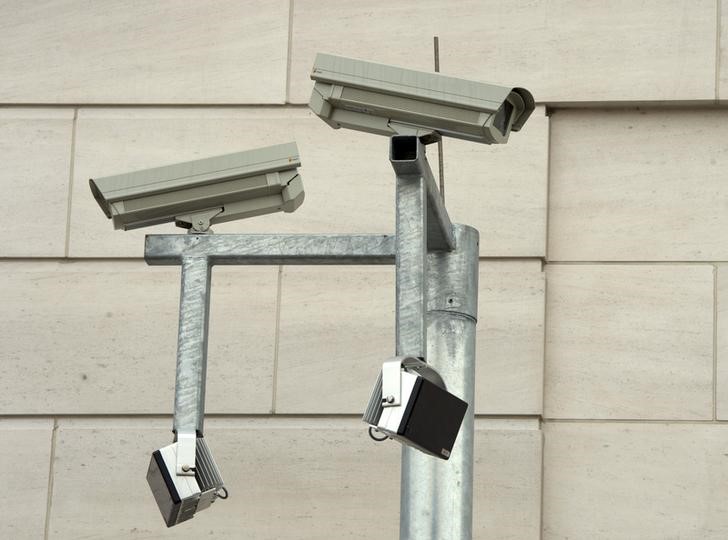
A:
x,y
388,100
196,194
178,496
411,404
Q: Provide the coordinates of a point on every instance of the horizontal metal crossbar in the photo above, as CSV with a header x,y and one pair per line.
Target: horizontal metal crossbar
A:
x,y
271,249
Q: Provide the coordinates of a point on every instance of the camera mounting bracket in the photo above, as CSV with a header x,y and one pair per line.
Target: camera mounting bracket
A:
x,y
198,222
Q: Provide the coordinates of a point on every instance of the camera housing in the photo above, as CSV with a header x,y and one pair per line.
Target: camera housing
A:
x,y
180,497
196,194
388,100
411,404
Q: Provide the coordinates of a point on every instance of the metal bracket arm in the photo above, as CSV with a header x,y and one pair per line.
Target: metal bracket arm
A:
x,y
407,155
186,451
189,391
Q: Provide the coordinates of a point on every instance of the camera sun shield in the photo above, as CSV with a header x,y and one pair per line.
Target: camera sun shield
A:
x,y
215,190
389,100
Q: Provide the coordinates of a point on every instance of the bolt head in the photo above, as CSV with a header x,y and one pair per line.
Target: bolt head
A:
x,y
390,399
185,468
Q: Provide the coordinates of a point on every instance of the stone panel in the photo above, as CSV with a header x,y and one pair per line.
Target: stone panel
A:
x,y
563,51
629,342
101,338
617,481
286,480
25,446
642,185
507,480
144,52
35,147
294,478
337,327
509,365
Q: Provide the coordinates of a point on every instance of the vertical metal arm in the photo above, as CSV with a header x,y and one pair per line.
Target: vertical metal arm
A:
x,y
411,248
189,395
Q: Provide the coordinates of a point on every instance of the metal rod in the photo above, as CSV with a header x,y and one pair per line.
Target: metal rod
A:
x,y
270,249
436,495
440,157
408,158
189,391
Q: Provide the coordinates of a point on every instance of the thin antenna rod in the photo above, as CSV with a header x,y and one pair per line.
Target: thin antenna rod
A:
x,y
440,164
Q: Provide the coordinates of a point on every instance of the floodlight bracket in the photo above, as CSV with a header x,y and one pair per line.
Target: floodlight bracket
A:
x,y
392,377
392,382
186,449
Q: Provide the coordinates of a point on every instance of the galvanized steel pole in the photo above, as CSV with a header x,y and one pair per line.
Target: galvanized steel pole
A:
x,y
436,308
437,496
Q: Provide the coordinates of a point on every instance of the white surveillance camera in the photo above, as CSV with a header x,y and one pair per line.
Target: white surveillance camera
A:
x,y
196,194
180,497
411,405
388,100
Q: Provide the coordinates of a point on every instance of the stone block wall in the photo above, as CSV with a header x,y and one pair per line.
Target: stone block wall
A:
x,y
602,368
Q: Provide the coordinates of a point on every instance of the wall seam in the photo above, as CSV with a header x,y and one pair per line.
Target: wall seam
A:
x,y
71,170
289,53
635,263
543,478
49,496
544,265
543,400
277,341
646,421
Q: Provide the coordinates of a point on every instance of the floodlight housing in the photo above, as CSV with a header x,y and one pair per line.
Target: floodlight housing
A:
x,y
388,100
180,497
211,190
411,404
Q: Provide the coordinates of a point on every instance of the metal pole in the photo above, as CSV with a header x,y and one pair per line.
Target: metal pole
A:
x,y
437,496
189,394
440,157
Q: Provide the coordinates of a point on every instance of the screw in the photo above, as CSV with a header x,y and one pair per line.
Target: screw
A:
x,y
185,468
390,399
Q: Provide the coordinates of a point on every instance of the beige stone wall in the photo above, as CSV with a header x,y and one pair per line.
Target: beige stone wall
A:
x,y
602,371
